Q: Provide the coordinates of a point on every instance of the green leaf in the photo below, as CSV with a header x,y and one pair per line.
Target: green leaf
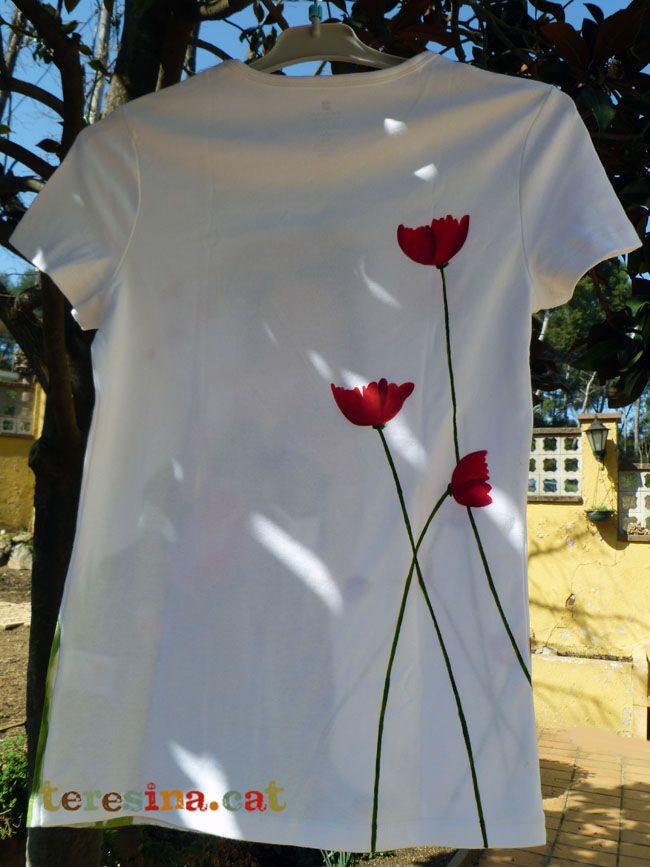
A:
x,y
636,304
644,323
70,5
598,355
4,129
625,389
629,353
98,65
639,187
596,11
599,104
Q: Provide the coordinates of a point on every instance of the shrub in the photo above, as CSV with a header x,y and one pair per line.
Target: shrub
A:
x,y
14,786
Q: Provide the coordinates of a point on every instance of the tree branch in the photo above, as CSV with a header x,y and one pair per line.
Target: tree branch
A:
x,y
17,85
65,54
220,9
17,313
275,14
26,157
211,49
20,184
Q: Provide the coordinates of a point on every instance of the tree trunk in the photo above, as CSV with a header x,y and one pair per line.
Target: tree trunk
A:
x,y
101,54
542,333
56,499
587,390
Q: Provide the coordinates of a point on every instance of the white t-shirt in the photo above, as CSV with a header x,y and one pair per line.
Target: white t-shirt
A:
x,y
241,552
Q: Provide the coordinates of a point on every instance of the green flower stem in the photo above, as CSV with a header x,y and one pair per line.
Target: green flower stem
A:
x,y
451,372
442,646
390,666
496,597
469,511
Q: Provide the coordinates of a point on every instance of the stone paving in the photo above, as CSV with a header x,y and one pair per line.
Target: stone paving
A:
x,y
596,795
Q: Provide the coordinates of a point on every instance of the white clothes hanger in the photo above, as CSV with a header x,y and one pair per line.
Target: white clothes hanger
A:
x,y
318,41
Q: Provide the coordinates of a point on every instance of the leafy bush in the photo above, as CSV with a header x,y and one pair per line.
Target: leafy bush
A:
x,y
169,847
14,787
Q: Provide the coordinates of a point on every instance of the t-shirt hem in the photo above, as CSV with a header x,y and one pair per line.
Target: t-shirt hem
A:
x,y
334,835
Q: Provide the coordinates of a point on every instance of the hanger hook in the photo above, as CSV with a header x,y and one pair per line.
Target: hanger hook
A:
x,y
315,16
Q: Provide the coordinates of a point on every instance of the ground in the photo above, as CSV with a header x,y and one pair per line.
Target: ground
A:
x,y
14,590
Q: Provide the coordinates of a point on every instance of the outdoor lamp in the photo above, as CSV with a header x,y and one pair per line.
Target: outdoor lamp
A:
x,y
597,435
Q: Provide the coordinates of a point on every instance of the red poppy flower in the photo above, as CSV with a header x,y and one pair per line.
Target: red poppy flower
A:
x,y
435,244
379,402
468,481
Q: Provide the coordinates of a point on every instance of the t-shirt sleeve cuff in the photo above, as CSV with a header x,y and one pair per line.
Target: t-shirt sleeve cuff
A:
x,y
85,311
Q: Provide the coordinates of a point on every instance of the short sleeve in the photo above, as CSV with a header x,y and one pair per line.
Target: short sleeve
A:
x,y
571,216
78,227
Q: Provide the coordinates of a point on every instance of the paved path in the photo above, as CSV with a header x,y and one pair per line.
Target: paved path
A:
x,y
596,791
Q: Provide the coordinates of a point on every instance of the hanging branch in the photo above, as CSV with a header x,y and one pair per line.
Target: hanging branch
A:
x,y
10,84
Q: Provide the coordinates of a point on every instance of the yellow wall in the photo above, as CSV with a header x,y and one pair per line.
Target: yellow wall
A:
x,y
16,478
610,580
570,691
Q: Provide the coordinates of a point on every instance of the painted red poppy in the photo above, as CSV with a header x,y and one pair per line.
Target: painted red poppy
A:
x,y
377,404
435,244
469,480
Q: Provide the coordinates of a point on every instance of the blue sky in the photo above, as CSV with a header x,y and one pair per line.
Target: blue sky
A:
x,y
30,121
